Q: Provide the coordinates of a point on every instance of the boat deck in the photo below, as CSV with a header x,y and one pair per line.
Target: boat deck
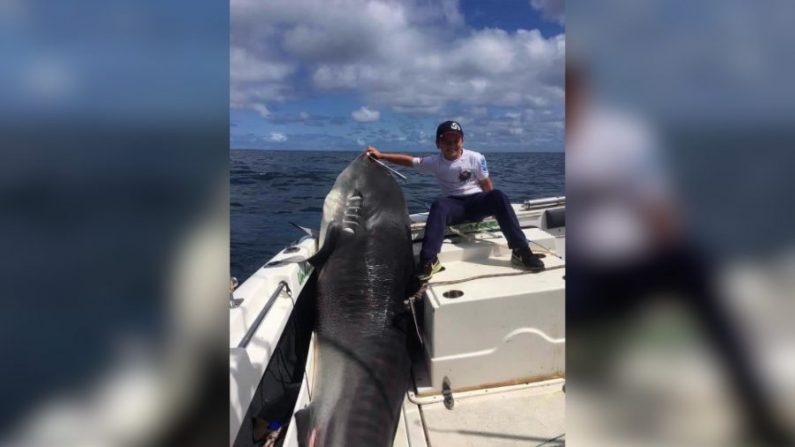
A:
x,y
493,338
521,415
496,333
483,266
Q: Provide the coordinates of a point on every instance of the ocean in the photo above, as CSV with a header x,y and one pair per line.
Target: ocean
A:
x,y
270,189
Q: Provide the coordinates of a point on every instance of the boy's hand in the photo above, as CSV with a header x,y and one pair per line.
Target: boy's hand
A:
x,y
373,152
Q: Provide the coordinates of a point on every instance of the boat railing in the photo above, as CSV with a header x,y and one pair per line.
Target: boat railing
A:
x,y
543,203
251,330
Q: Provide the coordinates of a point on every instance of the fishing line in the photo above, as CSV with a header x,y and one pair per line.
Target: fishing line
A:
x,y
382,164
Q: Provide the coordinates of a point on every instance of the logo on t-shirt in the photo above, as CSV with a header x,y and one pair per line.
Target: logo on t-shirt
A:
x,y
464,175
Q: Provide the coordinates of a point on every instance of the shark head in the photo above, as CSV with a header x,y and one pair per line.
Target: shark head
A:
x,y
364,197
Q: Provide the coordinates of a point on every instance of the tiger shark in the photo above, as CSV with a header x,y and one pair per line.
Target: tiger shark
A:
x,y
366,271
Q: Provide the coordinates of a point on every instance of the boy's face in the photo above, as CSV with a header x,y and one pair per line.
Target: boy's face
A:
x,y
451,144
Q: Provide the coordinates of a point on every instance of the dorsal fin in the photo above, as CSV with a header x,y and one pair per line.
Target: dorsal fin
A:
x,y
308,231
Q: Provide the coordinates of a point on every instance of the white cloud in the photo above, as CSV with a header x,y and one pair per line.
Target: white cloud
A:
x,y
552,10
246,67
488,67
278,137
261,109
400,54
516,130
255,76
411,56
365,115
479,112
303,115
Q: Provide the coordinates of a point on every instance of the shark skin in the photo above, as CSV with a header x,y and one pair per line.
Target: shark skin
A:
x,y
366,271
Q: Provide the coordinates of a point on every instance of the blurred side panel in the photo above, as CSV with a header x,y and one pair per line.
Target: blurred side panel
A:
x,y
113,222
681,243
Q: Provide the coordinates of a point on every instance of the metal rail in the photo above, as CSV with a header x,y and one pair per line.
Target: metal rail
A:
x,y
250,332
547,202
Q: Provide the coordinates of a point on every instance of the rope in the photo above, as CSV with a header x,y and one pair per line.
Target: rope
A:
x,y
418,295
410,304
492,275
544,250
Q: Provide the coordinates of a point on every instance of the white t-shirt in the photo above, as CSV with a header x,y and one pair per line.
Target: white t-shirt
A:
x,y
459,177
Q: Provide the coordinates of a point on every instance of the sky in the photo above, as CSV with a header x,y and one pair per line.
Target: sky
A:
x,y
345,74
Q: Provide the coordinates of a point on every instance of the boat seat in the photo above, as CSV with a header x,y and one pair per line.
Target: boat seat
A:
x,y
555,218
472,225
485,319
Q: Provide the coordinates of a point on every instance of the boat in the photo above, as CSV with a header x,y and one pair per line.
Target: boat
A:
x,y
488,341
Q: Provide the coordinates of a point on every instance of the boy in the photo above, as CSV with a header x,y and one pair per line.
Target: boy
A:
x,y
467,194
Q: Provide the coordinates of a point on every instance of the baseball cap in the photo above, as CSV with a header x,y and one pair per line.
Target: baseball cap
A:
x,y
449,126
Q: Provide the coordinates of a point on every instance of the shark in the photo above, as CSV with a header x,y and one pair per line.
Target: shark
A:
x,y
365,272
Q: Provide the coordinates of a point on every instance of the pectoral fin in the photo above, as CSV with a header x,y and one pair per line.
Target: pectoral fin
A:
x,y
332,237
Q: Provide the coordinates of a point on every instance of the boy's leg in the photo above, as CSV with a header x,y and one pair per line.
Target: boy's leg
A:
x,y
444,211
496,203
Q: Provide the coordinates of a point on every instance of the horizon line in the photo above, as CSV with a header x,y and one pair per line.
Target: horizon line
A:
x,y
360,150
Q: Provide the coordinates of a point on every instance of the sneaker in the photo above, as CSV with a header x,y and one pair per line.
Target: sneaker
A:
x,y
429,268
523,257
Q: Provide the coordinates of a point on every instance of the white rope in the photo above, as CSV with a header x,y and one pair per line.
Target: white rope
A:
x,y
493,275
410,303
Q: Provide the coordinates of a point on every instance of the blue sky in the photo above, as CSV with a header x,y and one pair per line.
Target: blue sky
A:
x,y
343,74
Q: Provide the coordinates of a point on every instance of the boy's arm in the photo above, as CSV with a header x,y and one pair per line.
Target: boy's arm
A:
x,y
400,159
486,184
482,174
